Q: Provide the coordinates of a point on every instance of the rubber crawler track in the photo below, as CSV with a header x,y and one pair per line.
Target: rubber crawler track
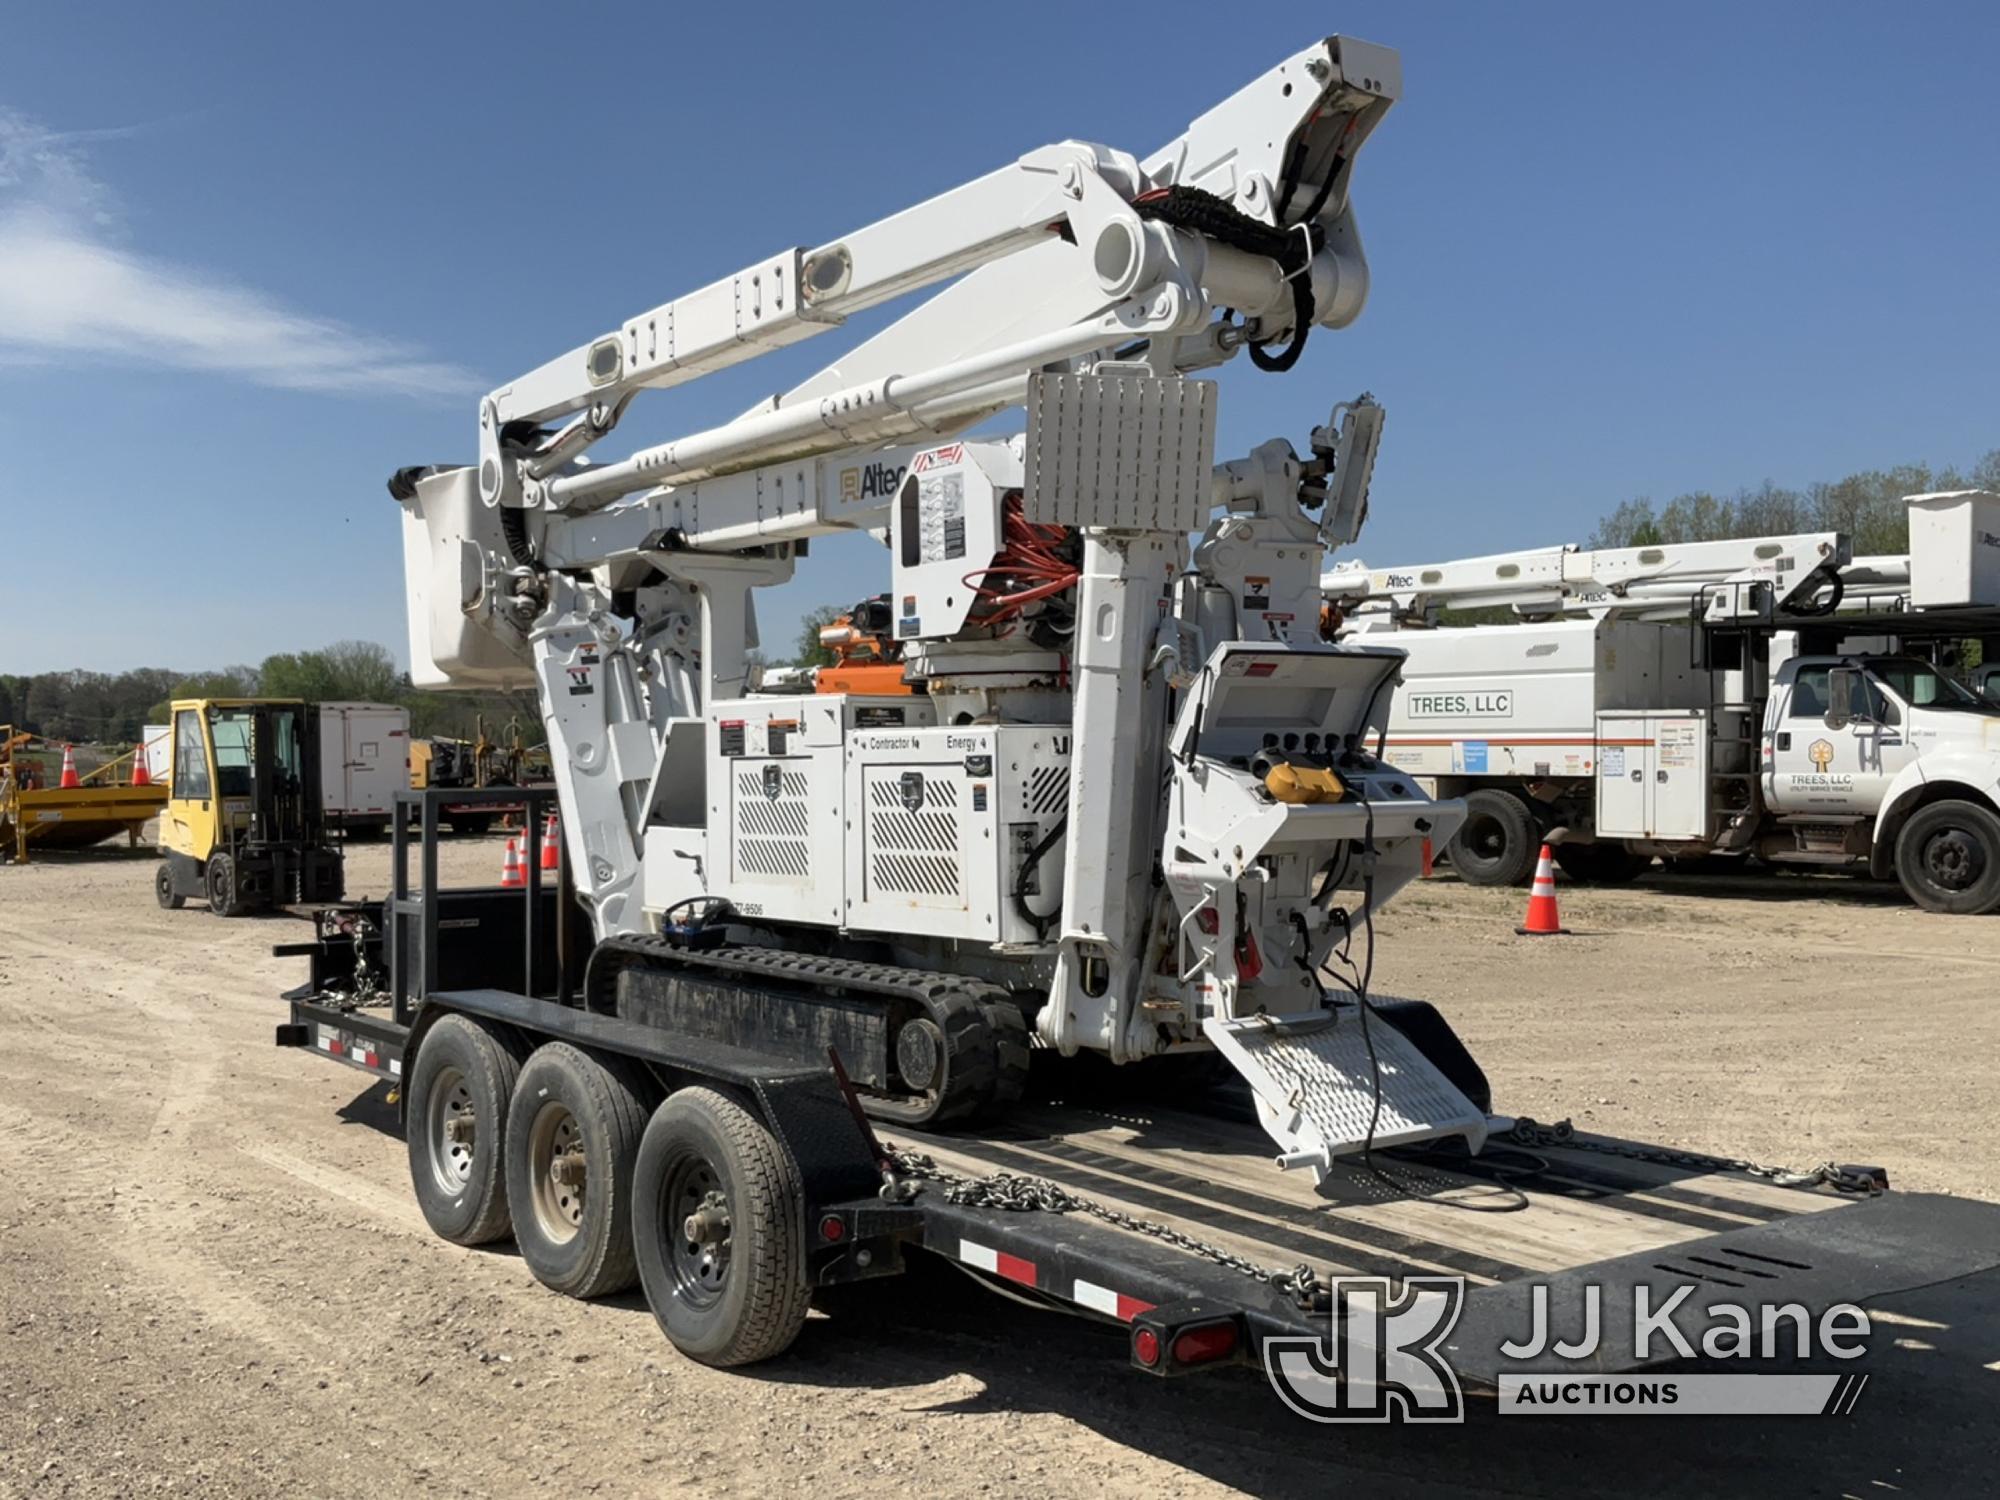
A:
x,y
985,1035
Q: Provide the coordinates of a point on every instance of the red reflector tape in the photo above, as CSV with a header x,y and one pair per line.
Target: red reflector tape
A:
x,y
999,1262
1260,669
1103,1299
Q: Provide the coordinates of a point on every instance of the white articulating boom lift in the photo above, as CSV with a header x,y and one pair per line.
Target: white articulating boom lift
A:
x,y
1129,805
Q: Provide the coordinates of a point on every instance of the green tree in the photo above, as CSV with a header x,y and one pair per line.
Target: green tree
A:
x,y
810,653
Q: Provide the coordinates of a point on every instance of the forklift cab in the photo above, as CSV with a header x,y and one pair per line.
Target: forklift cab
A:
x,y
244,827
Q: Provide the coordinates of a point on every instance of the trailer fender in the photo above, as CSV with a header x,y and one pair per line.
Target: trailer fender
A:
x,y
1945,774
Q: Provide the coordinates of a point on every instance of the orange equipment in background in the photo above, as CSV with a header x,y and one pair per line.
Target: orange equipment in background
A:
x,y
867,659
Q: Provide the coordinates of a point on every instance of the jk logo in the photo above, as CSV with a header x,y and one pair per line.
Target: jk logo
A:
x,y
1380,1362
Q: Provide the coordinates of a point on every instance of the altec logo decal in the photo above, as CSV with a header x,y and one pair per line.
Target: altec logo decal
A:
x,y
870,482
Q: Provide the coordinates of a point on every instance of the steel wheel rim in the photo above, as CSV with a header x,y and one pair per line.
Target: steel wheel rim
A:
x,y
451,1155
700,1269
1485,837
1952,860
556,1166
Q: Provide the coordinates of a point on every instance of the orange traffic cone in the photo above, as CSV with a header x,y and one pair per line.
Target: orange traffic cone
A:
x,y
140,775
512,874
69,776
1542,919
551,845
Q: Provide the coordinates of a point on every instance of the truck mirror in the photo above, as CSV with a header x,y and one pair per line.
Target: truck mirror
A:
x,y
1840,697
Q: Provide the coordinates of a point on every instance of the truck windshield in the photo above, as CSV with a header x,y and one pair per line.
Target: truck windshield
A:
x,y
1921,685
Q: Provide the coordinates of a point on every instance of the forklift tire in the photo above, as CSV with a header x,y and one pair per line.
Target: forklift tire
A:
x,y
719,1231
573,1132
1601,864
169,898
1498,841
223,897
455,1125
1948,858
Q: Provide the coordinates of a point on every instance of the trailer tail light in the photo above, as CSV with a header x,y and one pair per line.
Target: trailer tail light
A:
x,y
1185,1336
833,1229
1205,1344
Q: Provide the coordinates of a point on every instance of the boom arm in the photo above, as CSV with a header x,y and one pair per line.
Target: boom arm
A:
x,y
1069,249
1555,580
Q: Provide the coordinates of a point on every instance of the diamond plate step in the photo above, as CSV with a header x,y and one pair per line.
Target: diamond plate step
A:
x,y
1315,1089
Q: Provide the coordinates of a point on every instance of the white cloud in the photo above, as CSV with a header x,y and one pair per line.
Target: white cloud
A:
x,y
69,289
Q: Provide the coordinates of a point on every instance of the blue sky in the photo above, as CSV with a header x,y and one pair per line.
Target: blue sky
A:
x,y
253,259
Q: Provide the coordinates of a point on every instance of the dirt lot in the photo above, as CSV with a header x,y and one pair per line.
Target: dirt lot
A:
x,y
213,1279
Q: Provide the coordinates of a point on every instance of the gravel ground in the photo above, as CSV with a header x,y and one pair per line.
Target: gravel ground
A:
x,y
214,1281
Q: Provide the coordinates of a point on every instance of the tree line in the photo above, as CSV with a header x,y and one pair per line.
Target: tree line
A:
x,y
112,708
1867,506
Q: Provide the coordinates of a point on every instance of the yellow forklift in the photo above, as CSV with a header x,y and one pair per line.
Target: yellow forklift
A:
x,y
244,826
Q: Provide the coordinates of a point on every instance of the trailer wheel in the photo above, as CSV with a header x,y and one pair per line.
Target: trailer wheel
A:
x,y
164,890
1498,841
467,826
225,896
573,1132
1948,858
719,1231
459,1089
1601,864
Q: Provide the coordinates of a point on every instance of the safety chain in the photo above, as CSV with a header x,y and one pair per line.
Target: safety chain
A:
x,y
1532,1133
1004,1190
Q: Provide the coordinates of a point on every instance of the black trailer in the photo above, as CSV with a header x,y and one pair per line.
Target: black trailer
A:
x,y
740,1182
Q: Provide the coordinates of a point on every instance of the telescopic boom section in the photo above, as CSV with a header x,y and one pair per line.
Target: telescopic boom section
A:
x,y
1071,249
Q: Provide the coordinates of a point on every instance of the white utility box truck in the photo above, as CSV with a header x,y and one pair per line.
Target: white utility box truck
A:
x,y
1707,698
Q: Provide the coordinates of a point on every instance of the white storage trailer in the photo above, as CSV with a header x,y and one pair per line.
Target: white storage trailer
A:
x,y
364,758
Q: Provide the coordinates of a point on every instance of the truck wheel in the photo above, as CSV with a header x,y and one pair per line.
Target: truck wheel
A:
x,y
224,899
459,1088
164,892
573,1132
470,827
1497,843
719,1231
1601,864
1948,858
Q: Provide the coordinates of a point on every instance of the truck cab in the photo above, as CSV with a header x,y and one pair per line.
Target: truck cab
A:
x,y
1886,758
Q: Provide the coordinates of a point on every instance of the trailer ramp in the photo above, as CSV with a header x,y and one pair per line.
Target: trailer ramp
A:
x,y
1188,1209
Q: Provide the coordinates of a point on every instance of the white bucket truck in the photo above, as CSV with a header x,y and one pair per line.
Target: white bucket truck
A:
x,y
1708,698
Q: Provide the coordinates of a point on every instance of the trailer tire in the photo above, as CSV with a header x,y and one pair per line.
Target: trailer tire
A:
x,y
738,1294
1948,857
1601,864
464,1071
470,827
576,1236
164,889
1497,843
